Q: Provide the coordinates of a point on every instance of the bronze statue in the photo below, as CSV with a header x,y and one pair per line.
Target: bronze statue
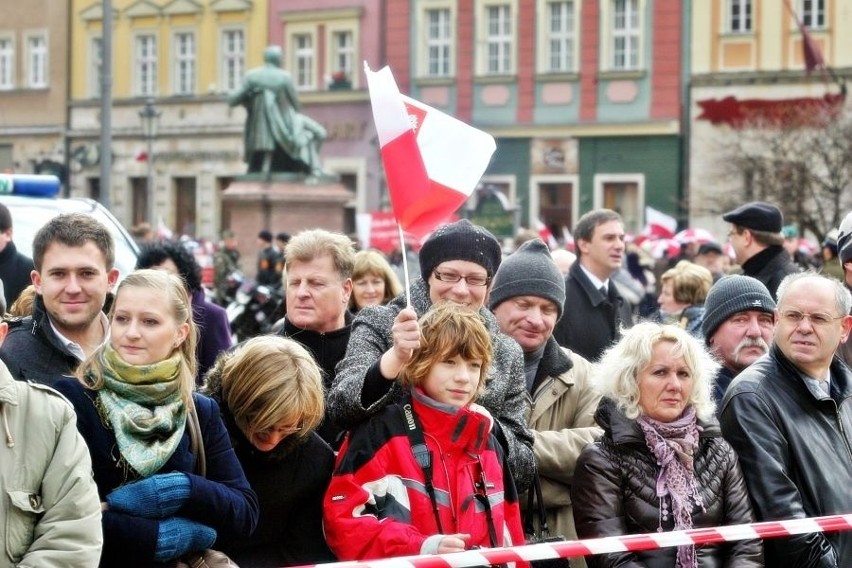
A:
x,y
278,138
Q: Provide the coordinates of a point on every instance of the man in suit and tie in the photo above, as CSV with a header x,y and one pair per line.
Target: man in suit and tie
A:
x,y
594,310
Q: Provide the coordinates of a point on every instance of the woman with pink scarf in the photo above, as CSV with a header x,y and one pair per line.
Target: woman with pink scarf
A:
x,y
662,463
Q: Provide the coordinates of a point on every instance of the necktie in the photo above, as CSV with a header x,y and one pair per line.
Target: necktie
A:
x,y
604,292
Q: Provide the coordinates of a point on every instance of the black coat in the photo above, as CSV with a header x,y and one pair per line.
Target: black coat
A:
x,y
290,482
614,493
591,321
15,270
796,452
33,352
770,266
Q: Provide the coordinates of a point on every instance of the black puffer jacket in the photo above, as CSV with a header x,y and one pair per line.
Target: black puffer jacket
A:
x,y
614,493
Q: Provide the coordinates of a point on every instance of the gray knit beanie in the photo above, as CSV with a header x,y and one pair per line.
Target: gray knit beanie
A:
x,y
461,240
844,239
731,294
529,271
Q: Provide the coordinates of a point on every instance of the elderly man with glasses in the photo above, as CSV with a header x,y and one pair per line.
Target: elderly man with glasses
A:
x,y
789,418
457,263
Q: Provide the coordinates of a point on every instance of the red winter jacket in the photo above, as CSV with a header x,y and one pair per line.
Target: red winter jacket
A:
x,y
377,505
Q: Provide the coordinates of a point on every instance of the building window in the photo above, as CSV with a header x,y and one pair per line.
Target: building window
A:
x,y
739,16
813,14
184,63
96,66
146,65
560,36
303,53
7,63
37,62
438,42
625,35
233,59
343,52
498,39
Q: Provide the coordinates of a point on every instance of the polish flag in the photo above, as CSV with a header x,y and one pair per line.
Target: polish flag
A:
x,y
433,162
545,234
658,224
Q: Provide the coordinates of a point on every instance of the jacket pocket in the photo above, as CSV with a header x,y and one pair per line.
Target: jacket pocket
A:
x,y
21,518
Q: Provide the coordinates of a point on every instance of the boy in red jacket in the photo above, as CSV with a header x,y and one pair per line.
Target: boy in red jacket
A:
x,y
426,475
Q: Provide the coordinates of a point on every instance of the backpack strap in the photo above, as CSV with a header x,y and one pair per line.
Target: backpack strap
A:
x,y
422,455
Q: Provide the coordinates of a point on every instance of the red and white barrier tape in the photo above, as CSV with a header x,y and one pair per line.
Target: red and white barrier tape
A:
x,y
626,543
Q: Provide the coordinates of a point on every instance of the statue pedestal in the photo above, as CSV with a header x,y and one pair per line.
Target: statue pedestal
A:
x,y
286,203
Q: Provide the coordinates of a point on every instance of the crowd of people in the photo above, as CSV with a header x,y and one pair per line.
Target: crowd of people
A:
x,y
382,421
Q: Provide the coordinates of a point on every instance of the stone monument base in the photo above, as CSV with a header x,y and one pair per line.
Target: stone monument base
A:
x,y
288,203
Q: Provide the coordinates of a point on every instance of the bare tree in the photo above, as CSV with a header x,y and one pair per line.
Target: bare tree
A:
x,y
799,158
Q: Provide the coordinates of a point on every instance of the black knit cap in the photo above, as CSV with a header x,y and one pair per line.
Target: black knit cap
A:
x,y
529,271
757,216
844,239
732,294
461,240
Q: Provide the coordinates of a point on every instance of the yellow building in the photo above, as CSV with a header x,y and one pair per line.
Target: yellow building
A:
x,y
184,56
747,67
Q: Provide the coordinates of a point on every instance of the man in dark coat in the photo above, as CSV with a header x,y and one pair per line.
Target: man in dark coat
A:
x,y
758,243
844,255
789,418
594,310
319,283
15,268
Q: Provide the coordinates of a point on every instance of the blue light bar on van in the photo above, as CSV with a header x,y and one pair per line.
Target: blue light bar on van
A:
x,y
27,184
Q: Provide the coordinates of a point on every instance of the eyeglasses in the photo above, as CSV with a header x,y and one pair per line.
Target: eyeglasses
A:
x,y
453,278
285,431
818,319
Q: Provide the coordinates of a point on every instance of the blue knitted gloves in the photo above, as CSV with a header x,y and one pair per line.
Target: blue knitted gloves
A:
x,y
177,536
156,497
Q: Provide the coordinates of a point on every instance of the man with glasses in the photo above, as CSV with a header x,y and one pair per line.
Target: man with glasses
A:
x,y
457,263
756,237
789,418
594,310
739,316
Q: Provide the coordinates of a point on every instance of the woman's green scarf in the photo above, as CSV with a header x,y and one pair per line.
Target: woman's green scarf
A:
x,y
144,406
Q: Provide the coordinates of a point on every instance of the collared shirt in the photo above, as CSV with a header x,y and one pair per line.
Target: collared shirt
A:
x,y
594,279
75,348
819,388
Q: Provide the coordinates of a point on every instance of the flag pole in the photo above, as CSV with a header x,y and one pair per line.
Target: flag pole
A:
x,y
404,267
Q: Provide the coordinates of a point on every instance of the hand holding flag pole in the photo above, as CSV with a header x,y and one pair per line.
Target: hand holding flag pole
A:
x,y
432,161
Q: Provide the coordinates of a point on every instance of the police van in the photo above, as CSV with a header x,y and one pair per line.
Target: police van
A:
x,y
32,200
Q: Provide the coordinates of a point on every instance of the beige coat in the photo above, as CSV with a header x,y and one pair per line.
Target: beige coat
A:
x,y
561,416
50,512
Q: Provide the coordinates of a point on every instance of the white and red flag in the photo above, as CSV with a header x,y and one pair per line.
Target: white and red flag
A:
x,y
658,224
433,162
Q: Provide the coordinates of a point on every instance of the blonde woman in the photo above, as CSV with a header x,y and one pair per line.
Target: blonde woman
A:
x,y
270,394
131,397
662,464
684,289
373,281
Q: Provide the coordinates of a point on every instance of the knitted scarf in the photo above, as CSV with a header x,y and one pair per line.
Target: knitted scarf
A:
x,y
673,444
144,407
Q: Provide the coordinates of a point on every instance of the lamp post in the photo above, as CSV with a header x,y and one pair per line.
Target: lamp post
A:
x,y
150,117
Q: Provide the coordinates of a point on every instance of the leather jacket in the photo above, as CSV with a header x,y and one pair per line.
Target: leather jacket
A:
x,y
796,450
614,493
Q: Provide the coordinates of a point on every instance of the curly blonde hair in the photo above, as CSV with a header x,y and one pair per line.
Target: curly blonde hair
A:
x,y
616,374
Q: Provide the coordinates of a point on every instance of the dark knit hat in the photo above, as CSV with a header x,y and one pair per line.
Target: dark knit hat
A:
x,y
265,235
757,216
844,239
731,294
461,240
529,271
707,248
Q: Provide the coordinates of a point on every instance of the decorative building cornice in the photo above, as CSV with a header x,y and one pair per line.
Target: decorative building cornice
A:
x,y
143,9
776,77
230,5
182,7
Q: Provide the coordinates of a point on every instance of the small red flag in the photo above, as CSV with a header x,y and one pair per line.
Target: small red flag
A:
x,y
813,56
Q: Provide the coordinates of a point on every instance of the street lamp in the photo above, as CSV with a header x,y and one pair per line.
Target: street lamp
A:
x,y
150,117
